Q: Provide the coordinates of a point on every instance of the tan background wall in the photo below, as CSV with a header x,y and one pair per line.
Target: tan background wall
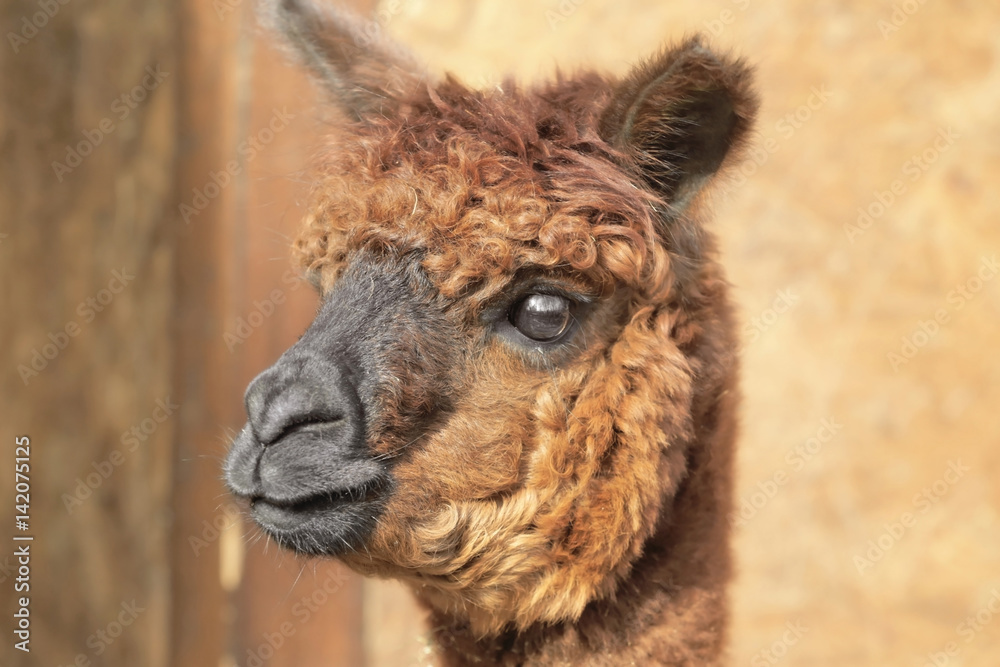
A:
x,y
882,84
849,99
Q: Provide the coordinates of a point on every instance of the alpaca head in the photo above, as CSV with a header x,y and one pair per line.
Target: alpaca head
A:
x,y
520,332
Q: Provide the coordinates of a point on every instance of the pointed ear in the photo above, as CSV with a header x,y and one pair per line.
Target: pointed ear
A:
x,y
365,72
678,116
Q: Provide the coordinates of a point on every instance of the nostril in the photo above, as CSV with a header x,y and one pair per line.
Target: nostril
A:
x,y
288,414
301,423
241,464
263,390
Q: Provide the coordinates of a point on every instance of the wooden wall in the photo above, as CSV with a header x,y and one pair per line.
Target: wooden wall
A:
x,y
67,231
189,189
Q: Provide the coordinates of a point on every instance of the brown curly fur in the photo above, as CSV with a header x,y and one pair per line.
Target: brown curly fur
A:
x,y
569,509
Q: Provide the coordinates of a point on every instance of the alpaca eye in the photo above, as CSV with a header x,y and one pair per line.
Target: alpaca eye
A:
x,y
541,317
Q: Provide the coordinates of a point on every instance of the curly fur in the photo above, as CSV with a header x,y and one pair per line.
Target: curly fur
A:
x,y
566,508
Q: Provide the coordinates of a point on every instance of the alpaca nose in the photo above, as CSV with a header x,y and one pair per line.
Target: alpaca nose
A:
x,y
300,393
305,435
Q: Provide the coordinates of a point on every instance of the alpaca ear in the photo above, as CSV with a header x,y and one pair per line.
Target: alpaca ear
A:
x,y
364,71
678,116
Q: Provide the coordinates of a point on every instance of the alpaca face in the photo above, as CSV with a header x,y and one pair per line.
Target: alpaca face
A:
x,y
497,395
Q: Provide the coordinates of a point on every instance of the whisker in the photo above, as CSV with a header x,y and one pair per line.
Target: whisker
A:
x,y
395,452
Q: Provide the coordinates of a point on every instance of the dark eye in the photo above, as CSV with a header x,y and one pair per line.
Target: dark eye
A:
x,y
541,317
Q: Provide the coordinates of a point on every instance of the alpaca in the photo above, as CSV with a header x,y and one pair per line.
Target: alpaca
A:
x,y
518,395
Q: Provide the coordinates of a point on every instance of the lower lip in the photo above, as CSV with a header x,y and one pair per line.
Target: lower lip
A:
x,y
277,517
285,518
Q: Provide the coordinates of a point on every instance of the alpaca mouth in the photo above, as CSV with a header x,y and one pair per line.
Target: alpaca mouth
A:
x,y
293,521
292,511
308,488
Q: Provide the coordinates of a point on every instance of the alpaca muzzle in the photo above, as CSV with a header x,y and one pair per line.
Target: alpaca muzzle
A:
x,y
307,459
301,460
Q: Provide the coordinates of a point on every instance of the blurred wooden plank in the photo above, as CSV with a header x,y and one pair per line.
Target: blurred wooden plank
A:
x,y
77,91
209,272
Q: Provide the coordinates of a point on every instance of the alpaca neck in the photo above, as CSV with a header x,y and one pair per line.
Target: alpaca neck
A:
x,y
670,610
